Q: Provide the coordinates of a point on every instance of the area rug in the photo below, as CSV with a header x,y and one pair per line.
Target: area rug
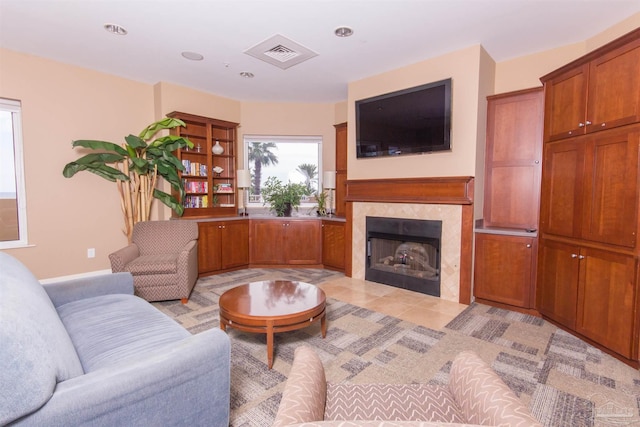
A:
x,y
563,380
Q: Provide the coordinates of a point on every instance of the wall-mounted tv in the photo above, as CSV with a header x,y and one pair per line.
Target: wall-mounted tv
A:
x,y
409,121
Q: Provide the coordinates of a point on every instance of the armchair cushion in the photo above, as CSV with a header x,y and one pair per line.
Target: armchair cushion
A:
x,y
153,264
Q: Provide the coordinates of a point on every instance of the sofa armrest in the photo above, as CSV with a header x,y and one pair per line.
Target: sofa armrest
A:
x,y
87,287
187,383
120,258
305,392
483,397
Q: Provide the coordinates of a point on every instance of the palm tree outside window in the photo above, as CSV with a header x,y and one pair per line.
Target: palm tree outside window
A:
x,y
288,158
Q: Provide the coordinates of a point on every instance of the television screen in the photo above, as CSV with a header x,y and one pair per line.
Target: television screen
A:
x,y
409,121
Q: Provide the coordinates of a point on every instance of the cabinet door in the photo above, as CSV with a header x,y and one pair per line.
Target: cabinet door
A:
x,y
513,154
606,299
557,284
267,242
303,242
333,251
566,104
562,188
614,88
611,187
208,247
234,244
504,269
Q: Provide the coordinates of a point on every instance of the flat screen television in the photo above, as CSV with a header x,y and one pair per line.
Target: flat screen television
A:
x,y
409,121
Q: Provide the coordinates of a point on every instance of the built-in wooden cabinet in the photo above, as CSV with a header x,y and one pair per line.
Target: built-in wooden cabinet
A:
x,y
590,187
506,243
598,92
285,242
341,169
210,176
333,241
591,291
222,245
587,279
513,159
505,269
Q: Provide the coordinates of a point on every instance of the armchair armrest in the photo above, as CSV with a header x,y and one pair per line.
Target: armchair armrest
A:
x,y
87,287
120,258
188,262
483,397
305,393
185,383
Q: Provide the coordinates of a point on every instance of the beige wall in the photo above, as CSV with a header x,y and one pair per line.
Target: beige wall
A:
x,y
62,103
463,67
275,118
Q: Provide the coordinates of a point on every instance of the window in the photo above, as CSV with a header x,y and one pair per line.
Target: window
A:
x,y
13,212
287,158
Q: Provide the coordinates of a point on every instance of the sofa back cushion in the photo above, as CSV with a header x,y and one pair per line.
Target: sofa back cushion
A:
x,y
35,351
163,237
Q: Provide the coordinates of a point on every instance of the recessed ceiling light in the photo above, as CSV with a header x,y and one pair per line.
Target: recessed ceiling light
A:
x,y
343,32
115,29
193,56
246,74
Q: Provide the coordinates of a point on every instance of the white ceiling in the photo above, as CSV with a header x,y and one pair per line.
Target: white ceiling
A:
x,y
387,34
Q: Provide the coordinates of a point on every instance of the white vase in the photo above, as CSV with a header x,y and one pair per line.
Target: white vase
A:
x,y
217,149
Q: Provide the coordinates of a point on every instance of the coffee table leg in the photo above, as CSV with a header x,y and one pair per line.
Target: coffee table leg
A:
x,y
222,325
270,344
323,324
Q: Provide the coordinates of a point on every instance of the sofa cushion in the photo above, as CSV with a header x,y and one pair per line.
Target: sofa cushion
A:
x,y
109,329
391,402
153,264
35,349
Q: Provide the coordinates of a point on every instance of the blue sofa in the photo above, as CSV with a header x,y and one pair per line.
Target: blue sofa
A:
x,y
89,352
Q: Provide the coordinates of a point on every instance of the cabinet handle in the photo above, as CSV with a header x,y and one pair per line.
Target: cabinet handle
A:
x,y
528,245
581,257
580,125
537,162
603,124
588,122
574,255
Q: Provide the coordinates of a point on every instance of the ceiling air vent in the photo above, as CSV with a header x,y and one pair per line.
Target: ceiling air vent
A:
x,y
281,52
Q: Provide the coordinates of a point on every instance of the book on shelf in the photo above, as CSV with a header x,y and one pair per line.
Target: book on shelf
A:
x,y
224,188
194,168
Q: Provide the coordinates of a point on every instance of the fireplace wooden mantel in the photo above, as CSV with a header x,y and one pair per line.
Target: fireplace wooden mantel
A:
x,y
440,190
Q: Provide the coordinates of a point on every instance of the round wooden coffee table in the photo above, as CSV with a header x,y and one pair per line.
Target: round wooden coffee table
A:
x,y
273,306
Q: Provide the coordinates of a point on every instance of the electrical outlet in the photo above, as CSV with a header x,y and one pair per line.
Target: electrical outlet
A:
x,y
91,253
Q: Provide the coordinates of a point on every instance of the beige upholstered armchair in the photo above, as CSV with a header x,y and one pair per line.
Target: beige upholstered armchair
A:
x,y
475,395
163,259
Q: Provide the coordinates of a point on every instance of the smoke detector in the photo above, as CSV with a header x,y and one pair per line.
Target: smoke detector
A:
x,y
281,52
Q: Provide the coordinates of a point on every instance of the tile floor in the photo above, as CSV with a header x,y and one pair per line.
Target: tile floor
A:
x,y
425,310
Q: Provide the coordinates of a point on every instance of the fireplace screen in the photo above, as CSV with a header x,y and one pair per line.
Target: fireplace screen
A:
x,y
404,253
406,258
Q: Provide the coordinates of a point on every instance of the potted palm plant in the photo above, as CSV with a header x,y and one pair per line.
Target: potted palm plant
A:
x,y
282,198
135,167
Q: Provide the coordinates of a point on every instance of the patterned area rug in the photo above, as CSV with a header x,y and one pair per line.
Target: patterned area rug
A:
x,y
563,380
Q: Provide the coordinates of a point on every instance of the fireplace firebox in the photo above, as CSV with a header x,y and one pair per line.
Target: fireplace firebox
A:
x,y
404,253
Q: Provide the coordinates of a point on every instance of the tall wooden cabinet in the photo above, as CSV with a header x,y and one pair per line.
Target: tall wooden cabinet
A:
x,y
588,252
210,176
341,169
505,254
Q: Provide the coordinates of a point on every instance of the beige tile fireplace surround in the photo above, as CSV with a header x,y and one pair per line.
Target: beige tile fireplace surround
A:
x,y
449,200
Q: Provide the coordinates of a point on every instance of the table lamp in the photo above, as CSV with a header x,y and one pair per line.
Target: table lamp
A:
x,y
244,182
329,183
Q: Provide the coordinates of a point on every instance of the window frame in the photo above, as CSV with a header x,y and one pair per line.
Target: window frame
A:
x,y
307,202
15,108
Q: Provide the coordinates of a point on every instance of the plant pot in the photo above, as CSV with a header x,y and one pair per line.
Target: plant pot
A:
x,y
287,209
